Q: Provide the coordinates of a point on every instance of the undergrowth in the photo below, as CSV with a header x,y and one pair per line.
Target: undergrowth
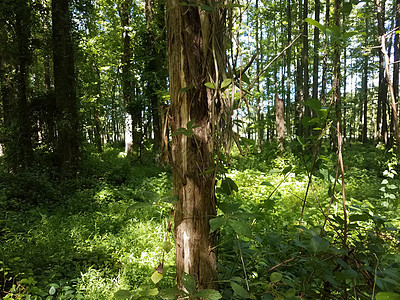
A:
x,y
103,234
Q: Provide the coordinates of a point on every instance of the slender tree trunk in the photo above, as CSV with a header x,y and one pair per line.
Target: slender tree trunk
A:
x,y
289,72
364,90
305,63
383,84
396,66
325,58
316,52
154,69
280,122
68,152
127,88
196,56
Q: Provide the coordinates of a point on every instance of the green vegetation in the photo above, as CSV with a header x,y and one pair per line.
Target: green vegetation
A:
x,y
102,234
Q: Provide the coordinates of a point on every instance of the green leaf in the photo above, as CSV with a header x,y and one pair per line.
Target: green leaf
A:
x,y
166,245
349,34
316,24
52,290
318,244
267,183
149,292
210,85
228,186
240,291
207,8
170,199
313,104
138,205
209,294
151,196
347,7
188,283
240,228
217,223
387,296
122,294
225,83
359,217
275,277
156,277
185,89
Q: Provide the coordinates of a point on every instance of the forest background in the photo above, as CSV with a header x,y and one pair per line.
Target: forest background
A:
x,y
291,133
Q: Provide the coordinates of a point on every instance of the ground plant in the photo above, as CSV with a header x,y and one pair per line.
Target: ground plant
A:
x,y
107,233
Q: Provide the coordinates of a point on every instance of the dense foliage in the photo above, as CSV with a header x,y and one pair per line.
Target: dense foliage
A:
x,y
104,233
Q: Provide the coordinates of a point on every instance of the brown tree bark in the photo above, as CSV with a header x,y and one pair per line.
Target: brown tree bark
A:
x,y
383,84
155,66
23,155
127,88
68,152
196,56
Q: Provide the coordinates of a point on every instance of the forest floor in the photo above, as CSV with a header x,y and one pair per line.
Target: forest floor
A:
x,y
103,234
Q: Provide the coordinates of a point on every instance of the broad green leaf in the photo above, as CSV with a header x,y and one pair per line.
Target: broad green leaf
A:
x,y
239,290
318,244
359,217
347,7
313,103
217,223
122,294
225,83
275,277
334,31
170,199
287,170
188,283
207,8
387,296
210,85
156,277
170,293
349,34
189,125
209,294
149,292
151,196
240,228
166,245
267,183
316,24
228,186
185,89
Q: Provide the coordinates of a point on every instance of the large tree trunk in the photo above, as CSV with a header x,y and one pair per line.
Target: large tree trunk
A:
x,y
195,41
64,80
23,135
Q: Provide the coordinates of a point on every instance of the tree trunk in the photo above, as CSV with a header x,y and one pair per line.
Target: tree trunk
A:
x,y
324,79
155,67
127,74
195,47
383,85
280,123
316,52
23,135
64,80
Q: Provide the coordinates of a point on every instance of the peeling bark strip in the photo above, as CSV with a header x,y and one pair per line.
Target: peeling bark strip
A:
x,y
196,56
